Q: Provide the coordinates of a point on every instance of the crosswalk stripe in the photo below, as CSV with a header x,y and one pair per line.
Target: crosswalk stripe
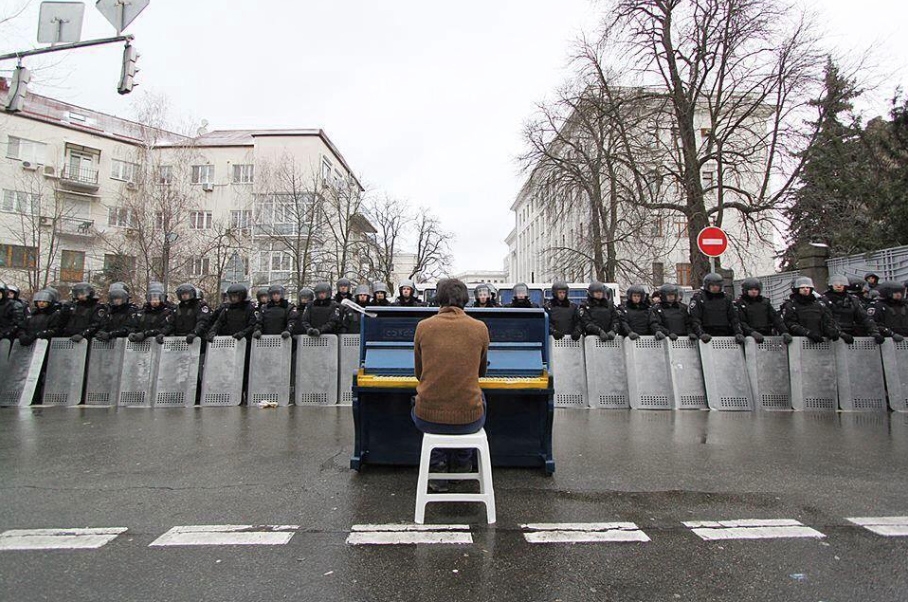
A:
x,y
227,535
753,528
584,533
58,539
392,534
887,526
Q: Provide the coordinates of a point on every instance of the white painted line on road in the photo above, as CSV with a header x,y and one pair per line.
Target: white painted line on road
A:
x,y
227,535
392,534
752,528
584,533
58,539
887,526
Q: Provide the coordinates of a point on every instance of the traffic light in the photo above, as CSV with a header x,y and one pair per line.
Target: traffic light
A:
x,y
128,73
17,89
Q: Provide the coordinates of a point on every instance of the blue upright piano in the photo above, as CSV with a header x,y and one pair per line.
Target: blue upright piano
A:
x,y
518,388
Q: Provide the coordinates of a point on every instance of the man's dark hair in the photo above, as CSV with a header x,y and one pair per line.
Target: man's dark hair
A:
x,y
451,292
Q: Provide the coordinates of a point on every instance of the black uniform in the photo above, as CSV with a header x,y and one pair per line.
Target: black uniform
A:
x,y
713,314
12,317
238,320
41,324
850,314
275,316
490,303
117,321
192,316
526,303
599,317
324,315
411,301
809,317
670,318
150,321
635,317
379,303
757,314
83,318
891,316
564,319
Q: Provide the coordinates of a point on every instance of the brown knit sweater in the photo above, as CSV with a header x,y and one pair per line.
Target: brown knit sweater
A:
x,y
450,353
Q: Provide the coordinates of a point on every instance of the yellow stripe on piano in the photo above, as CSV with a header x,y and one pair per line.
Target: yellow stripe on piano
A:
x,y
410,382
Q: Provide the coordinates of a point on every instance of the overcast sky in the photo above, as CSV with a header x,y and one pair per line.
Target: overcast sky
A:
x,y
425,99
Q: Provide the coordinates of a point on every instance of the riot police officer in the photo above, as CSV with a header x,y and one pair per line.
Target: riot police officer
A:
x,y
275,315
872,280
598,315
564,316
634,314
43,321
305,297
806,316
353,318
890,311
238,317
323,315
119,314
670,317
261,297
191,317
343,290
380,294
482,296
84,316
151,320
849,313
407,295
12,318
758,317
712,312
520,296
12,293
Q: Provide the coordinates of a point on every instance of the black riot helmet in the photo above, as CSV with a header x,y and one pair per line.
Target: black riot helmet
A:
x,y
670,289
872,275
237,290
121,285
855,285
636,289
306,293
344,282
276,289
82,288
406,284
712,279
802,282
889,288
43,296
482,288
750,284
597,287
362,289
187,289
521,291
560,285
379,287
837,280
118,296
322,287
12,288
54,292
261,294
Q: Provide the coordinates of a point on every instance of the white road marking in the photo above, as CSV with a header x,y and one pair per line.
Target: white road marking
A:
x,y
392,534
887,526
227,535
58,539
752,528
584,533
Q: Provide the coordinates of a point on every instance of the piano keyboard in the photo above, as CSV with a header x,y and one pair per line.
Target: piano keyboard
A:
x,y
376,381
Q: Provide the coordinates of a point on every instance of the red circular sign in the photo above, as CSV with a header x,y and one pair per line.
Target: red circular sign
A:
x,y
712,241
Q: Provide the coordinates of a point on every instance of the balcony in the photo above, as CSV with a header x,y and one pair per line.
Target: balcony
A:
x,y
68,226
82,179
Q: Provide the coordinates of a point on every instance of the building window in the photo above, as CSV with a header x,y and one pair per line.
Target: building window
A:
x,y
198,266
327,168
656,226
17,201
81,167
25,150
682,274
72,266
203,174
119,267
119,217
15,256
200,220
165,174
681,227
705,132
709,179
123,170
241,219
243,174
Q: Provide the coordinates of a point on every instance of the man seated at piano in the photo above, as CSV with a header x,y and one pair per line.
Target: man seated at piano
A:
x,y
450,355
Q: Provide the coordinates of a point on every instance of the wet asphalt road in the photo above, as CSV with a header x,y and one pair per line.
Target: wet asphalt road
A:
x,y
151,470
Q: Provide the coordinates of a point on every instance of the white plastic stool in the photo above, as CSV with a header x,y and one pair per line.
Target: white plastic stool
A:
x,y
486,495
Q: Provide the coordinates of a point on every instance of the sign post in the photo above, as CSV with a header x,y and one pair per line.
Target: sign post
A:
x,y
712,242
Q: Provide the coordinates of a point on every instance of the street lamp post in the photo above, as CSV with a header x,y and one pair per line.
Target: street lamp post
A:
x,y
169,239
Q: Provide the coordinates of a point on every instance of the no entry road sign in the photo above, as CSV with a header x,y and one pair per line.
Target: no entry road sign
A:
x,y
712,241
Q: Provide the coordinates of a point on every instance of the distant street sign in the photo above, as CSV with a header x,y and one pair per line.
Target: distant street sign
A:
x,y
60,22
121,13
712,241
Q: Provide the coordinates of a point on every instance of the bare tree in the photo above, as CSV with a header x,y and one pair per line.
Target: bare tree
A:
x,y
219,245
345,226
737,76
390,218
432,242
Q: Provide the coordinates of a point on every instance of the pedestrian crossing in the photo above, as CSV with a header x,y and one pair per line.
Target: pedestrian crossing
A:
x,y
391,534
